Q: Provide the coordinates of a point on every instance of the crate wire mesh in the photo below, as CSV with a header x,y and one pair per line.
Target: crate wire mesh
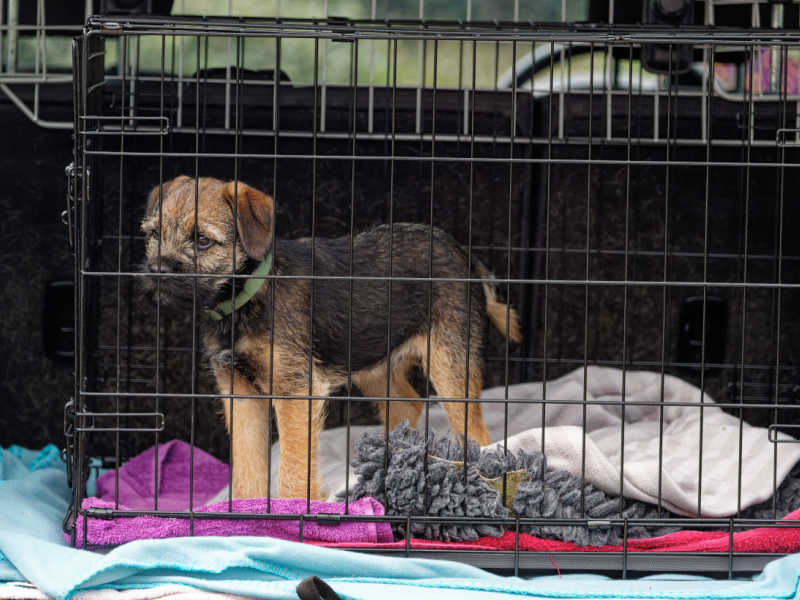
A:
x,y
34,56
635,220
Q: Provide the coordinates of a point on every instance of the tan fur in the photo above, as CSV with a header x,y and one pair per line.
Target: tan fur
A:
x,y
250,446
442,369
498,312
448,379
292,417
372,382
178,208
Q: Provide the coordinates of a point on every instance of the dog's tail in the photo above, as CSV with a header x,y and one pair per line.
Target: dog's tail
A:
x,y
503,316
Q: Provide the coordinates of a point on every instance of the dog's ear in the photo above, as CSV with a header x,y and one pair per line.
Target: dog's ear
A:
x,y
152,197
254,213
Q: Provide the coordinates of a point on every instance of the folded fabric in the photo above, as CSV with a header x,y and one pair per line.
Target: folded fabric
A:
x,y
120,529
427,477
596,452
136,481
16,462
27,591
7,570
31,511
34,497
760,540
422,477
20,591
19,464
767,540
674,445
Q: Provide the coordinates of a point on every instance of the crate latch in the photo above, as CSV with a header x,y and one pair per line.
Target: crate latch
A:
x,y
68,452
774,429
97,421
70,214
328,518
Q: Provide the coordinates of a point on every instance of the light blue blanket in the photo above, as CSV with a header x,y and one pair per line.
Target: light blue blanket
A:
x,y
34,498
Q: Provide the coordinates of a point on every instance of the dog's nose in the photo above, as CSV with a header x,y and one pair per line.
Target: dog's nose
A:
x,y
165,267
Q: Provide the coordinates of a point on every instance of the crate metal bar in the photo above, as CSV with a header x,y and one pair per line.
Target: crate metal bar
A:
x,y
547,210
13,32
720,524
503,280
323,95
749,134
420,70
626,267
533,249
781,199
433,399
158,281
351,257
429,313
313,294
587,267
371,105
120,202
577,33
31,115
388,403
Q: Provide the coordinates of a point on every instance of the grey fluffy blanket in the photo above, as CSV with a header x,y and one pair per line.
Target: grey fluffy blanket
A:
x,y
533,490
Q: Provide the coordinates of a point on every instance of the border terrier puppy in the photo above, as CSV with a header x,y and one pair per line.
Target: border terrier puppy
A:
x,y
297,342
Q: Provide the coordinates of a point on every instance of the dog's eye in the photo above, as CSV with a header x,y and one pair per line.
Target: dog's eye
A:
x,y
204,243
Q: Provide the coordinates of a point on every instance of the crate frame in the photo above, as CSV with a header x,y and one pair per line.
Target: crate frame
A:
x,y
83,182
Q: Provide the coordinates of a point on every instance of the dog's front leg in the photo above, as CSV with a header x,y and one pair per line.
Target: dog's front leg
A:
x,y
247,426
299,423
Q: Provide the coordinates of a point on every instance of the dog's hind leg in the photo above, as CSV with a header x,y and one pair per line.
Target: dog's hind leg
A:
x,y
401,410
372,383
448,373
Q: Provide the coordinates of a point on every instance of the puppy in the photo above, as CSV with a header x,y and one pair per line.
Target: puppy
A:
x,y
291,334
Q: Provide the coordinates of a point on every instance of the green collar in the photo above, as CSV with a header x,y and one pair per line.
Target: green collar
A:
x,y
251,288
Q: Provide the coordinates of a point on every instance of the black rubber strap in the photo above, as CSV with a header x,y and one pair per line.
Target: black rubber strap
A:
x,y
313,588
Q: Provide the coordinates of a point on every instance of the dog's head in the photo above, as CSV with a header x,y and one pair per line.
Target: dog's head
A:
x,y
192,226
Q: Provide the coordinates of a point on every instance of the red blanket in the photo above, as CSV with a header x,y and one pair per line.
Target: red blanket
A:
x,y
783,539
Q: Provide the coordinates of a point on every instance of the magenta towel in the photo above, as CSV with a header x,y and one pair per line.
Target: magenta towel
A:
x,y
119,530
137,478
137,492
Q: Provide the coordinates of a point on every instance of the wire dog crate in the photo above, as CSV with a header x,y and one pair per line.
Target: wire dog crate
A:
x,y
635,220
